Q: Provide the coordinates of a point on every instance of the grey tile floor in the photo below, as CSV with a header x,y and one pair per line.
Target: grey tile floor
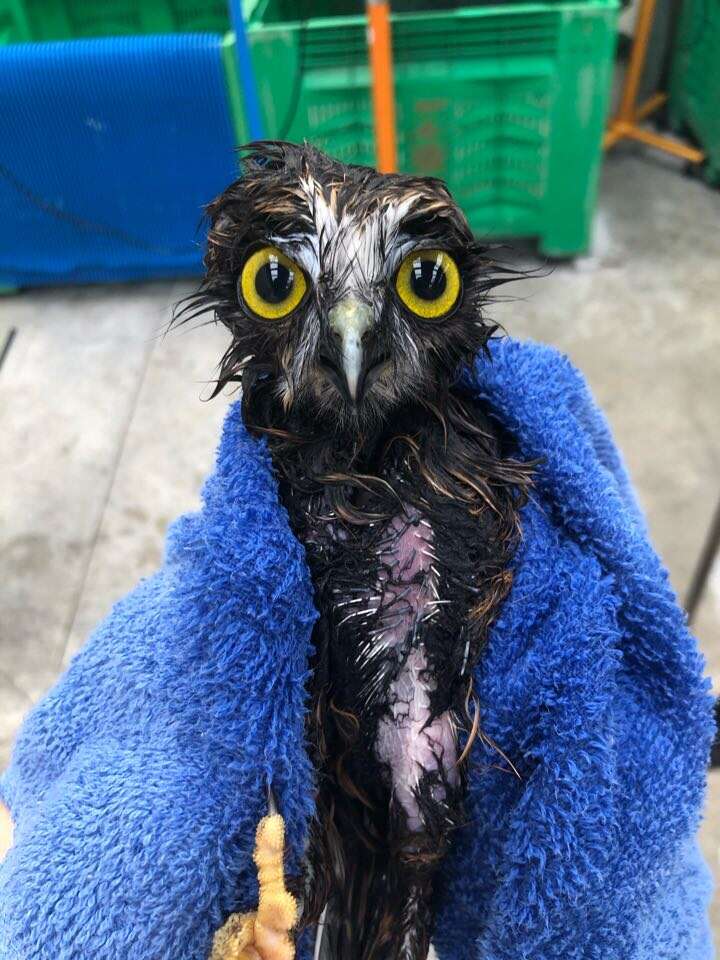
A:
x,y
105,438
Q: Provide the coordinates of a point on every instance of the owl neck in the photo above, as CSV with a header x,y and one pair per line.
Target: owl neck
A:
x,y
448,449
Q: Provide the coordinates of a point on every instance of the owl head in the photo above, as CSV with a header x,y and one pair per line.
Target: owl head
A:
x,y
347,292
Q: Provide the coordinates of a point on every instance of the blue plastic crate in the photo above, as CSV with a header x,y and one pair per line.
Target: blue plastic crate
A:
x,y
109,149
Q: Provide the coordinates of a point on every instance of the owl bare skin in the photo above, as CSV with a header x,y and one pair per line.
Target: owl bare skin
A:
x,y
355,300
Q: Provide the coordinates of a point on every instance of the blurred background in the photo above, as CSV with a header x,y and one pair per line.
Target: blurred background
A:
x,y
583,133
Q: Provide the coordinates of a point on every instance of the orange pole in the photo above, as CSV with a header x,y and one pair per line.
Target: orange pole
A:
x,y
652,104
637,60
691,154
383,87
629,115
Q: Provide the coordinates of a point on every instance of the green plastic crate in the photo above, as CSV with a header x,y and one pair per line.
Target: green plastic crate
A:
x,y
39,20
695,79
506,103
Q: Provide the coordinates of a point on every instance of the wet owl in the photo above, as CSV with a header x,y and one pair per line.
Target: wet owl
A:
x,y
356,305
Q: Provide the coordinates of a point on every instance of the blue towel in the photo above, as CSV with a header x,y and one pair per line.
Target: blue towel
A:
x,y
137,783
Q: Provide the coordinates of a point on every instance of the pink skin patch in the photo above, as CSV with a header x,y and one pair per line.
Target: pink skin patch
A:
x,y
410,745
408,741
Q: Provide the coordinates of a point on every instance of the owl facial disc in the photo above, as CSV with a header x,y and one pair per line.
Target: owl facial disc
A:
x,y
351,295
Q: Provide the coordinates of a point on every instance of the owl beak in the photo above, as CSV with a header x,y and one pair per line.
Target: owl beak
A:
x,y
349,321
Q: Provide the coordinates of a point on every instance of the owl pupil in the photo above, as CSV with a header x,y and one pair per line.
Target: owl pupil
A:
x,y
274,281
428,279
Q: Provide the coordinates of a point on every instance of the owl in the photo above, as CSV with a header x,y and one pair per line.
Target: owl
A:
x,y
355,303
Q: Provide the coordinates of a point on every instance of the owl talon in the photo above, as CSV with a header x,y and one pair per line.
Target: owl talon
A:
x,y
235,939
264,934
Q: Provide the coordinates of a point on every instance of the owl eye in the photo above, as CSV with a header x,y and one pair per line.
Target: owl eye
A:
x,y
428,283
270,284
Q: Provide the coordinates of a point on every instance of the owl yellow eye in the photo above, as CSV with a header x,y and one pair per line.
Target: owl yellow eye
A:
x,y
428,283
271,285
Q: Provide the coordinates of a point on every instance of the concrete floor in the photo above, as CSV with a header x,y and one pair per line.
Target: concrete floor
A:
x,y
106,439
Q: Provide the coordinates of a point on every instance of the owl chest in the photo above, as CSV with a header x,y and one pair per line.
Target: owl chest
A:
x,y
393,652
384,610
393,615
